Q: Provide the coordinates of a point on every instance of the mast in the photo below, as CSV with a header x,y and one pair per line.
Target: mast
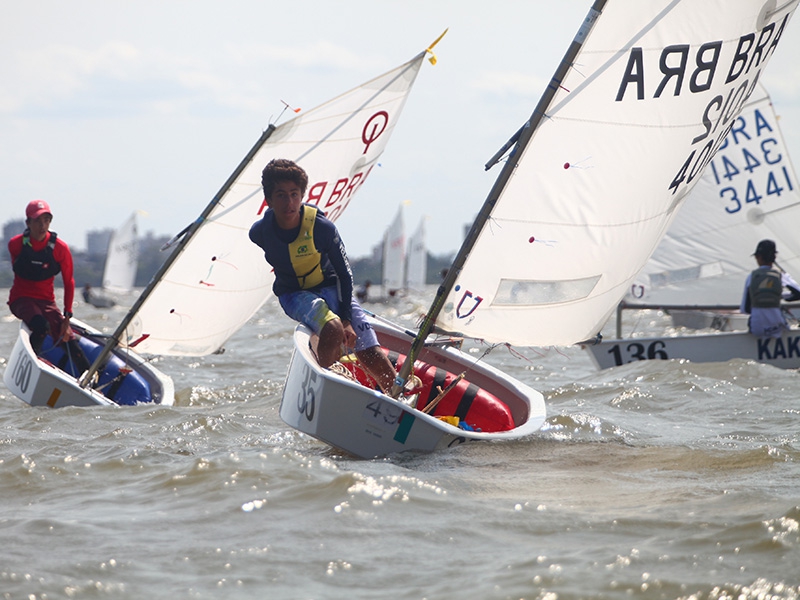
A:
x,y
522,138
185,236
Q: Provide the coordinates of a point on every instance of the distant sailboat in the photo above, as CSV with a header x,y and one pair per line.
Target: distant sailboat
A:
x,y
417,259
393,261
122,261
403,265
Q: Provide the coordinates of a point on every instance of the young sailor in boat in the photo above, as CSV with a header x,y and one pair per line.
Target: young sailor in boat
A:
x,y
763,292
313,280
37,256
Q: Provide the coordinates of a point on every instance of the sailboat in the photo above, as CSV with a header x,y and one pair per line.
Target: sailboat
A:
x,y
214,280
748,193
403,263
393,259
417,259
122,261
643,98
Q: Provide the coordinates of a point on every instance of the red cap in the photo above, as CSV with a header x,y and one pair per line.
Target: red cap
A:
x,y
36,208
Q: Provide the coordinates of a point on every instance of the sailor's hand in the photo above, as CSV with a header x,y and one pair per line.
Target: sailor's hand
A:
x,y
66,330
349,334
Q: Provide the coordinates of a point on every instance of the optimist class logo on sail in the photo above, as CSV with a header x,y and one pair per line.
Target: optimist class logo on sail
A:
x,y
333,196
683,70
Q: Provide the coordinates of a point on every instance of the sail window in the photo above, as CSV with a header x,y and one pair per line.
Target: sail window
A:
x,y
520,292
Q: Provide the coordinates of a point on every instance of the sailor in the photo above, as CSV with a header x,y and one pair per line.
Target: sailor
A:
x,y
764,289
313,280
37,256
362,293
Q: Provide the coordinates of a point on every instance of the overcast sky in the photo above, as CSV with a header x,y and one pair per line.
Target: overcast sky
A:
x,y
107,107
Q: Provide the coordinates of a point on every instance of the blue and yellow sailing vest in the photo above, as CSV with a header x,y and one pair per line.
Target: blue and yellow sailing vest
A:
x,y
306,259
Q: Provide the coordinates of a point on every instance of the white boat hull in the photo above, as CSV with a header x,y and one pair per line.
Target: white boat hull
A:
x,y
707,319
368,424
783,352
39,383
99,301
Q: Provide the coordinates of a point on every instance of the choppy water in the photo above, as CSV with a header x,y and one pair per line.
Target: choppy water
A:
x,y
653,480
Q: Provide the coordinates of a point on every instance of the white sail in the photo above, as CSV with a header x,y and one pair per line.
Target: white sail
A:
x,y
394,254
654,89
122,259
748,193
417,259
220,278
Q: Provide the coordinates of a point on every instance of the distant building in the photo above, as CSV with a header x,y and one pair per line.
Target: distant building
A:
x,y
97,241
12,228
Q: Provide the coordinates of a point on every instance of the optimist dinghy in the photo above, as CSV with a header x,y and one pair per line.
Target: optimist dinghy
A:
x,y
748,193
52,378
344,410
640,103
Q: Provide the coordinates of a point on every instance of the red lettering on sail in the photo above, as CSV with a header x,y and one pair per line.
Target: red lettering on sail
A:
x,y
336,194
315,192
332,197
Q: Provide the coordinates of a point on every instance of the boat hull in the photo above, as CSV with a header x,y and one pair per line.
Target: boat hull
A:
x,y
707,319
369,424
40,383
99,301
783,352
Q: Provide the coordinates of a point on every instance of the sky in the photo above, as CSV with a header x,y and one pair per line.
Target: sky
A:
x,y
149,105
